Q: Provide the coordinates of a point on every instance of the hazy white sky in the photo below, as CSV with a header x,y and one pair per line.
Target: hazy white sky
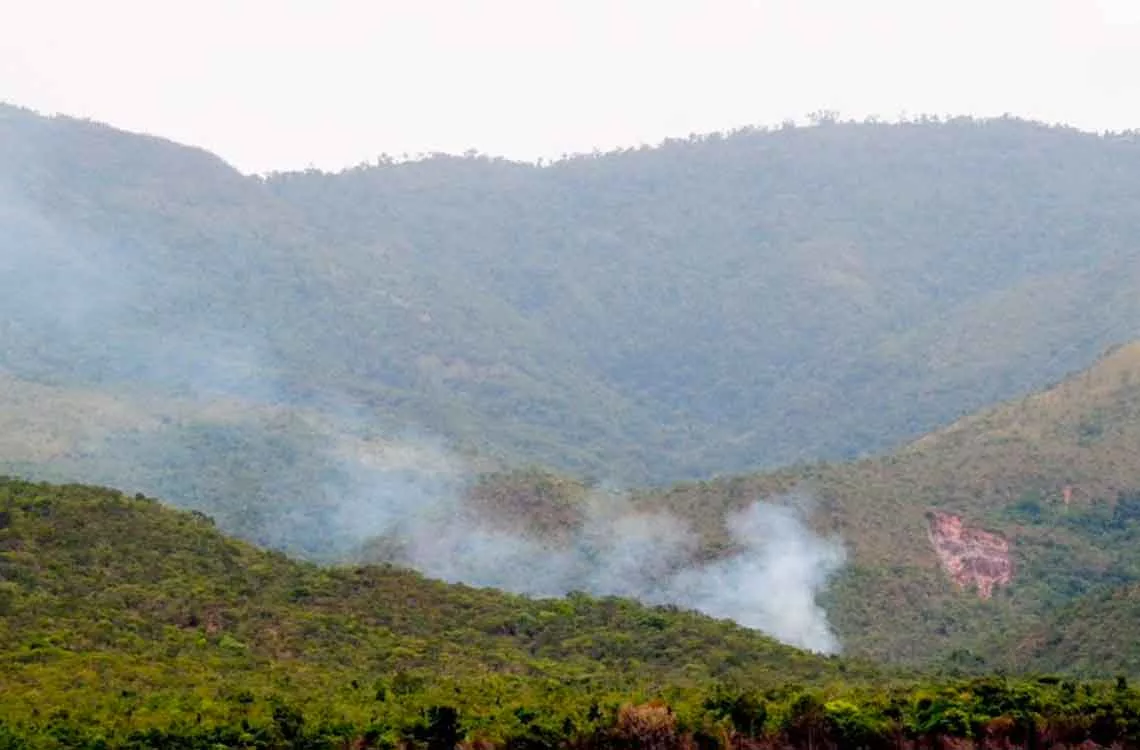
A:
x,y
277,84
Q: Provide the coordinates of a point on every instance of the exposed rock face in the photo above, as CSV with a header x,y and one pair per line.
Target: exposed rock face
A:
x,y
970,555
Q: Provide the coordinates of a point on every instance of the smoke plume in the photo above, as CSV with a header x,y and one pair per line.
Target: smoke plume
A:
x,y
769,582
332,496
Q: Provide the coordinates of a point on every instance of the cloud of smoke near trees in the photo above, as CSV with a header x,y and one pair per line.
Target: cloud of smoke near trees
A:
x,y
769,581
74,304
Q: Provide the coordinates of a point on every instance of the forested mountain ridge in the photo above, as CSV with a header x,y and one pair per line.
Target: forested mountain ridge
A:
x,y
760,285
709,306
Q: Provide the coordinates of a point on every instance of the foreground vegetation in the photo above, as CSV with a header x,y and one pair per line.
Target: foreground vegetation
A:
x,y
994,713
126,624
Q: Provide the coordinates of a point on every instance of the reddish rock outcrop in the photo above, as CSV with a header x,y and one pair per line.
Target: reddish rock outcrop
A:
x,y
970,556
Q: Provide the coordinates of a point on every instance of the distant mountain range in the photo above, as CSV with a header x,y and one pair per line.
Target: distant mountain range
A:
x,y
714,305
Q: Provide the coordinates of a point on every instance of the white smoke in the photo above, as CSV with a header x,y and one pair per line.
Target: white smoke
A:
x,y
769,582
293,492
772,585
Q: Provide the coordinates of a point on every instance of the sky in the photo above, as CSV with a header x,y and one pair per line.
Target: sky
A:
x,y
291,84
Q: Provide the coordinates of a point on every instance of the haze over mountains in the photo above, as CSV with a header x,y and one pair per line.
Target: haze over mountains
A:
x,y
319,361
710,306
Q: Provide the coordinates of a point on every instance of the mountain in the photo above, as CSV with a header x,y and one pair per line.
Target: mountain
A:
x,y
312,359
992,543
965,541
108,601
713,305
126,624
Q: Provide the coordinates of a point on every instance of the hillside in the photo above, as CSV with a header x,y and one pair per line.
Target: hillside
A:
x,y
1031,502
150,605
714,305
75,556
125,624
960,546
330,365
1096,630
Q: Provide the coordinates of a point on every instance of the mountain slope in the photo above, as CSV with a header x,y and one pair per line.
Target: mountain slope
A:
x,y
1093,634
713,305
961,547
1009,538
124,624
757,286
1044,483
90,574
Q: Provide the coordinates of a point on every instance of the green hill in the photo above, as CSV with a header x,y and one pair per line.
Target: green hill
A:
x,y
115,605
1054,475
90,569
1045,485
126,624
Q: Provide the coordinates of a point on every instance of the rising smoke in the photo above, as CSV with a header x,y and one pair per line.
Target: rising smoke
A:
x,y
288,489
769,582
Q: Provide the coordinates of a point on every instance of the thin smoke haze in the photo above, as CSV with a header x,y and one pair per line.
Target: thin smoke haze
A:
x,y
331,505
221,435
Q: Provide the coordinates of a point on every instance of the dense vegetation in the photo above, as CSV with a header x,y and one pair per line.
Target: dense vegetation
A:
x,y
713,305
146,592
1008,470
1056,473
282,346
126,624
